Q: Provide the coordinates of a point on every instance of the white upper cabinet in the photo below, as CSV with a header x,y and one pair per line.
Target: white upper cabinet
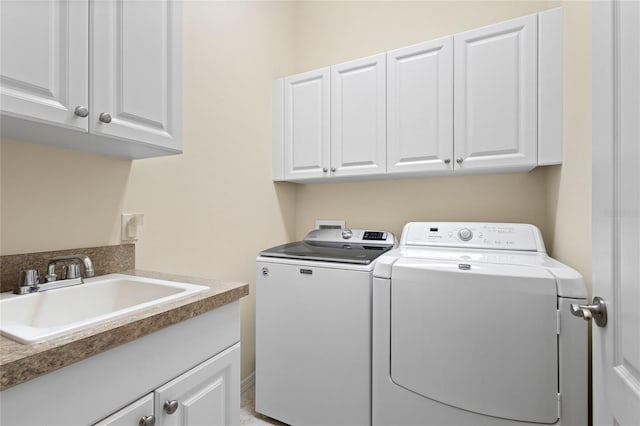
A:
x,y
97,75
420,108
333,121
483,101
358,117
495,103
44,61
307,130
136,73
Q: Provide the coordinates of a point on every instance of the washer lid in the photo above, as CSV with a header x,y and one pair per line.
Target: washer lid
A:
x,y
480,337
327,252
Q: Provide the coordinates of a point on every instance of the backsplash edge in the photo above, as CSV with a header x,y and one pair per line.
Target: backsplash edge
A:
x,y
106,260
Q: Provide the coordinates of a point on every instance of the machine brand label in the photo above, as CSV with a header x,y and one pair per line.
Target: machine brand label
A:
x,y
306,271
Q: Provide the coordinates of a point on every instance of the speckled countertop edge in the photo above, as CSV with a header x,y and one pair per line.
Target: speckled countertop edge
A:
x,y
20,362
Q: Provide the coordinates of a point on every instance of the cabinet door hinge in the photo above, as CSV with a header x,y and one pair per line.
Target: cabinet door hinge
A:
x,y
558,322
559,405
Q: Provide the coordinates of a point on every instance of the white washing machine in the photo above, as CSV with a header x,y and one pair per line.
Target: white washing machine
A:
x,y
472,326
313,327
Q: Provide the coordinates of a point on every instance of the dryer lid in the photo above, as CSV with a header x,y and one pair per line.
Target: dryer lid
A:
x,y
480,337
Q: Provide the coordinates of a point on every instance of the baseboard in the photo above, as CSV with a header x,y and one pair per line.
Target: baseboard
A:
x,y
248,382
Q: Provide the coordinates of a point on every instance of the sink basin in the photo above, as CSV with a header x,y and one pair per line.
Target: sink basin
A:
x,y
37,317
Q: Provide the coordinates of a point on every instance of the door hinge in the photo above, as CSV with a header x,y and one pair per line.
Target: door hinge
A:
x,y
558,322
559,405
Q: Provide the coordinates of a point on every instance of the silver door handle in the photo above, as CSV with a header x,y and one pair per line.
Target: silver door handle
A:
x,y
597,311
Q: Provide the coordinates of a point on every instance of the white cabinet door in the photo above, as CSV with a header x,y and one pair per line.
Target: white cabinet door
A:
x,y
133,414
358,117
496,97
420,108
44,60
306,125
208,394
136,74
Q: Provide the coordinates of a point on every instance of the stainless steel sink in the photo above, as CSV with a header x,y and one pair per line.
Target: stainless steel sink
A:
x,y
38,317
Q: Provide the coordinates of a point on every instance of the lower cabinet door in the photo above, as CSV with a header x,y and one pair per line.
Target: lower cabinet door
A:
x,y
208,394
134,414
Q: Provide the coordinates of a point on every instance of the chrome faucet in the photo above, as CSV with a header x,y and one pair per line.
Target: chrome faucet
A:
x,y
86,261
30,282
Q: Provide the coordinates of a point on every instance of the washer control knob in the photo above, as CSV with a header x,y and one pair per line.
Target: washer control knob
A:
x,y
465,234
347,233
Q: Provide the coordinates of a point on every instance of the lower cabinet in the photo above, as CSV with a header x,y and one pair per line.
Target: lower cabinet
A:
x,y
136,413
184,374
208,394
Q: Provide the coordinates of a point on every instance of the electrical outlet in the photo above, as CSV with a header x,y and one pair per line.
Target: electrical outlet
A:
x,y
330,224
131,224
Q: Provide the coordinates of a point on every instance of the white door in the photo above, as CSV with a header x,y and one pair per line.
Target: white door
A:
x,y
306,125
139,413
495,100
44,61
420,108
136,72
358,117
208,394
616,211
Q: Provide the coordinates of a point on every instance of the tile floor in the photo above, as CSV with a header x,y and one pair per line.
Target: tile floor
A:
x,y
248,415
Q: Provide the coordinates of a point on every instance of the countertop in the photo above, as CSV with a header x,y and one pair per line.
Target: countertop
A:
x,y
20,362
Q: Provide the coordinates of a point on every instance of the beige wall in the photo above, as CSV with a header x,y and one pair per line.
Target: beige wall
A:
x,y
209,211
556,199
569,186
332,32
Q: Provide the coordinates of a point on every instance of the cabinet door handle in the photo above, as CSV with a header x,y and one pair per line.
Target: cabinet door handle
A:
x,y
147,421
105,117
459,160
325,170
170,407
333,170
81,111
447,160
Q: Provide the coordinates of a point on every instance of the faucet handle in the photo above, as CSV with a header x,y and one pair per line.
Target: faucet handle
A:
x,y
28,281
70,271
28,277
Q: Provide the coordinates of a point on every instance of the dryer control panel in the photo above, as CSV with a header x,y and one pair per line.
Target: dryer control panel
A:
x,y
496,236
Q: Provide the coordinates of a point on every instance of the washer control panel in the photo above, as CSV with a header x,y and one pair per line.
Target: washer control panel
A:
x,y
352,236
497,236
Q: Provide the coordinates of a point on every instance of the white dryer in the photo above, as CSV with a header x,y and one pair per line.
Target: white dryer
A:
x,y
472,326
